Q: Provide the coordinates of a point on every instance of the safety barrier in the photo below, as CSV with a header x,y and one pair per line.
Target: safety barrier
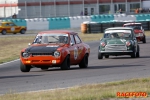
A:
x,y
76,21
102,18
59,23
37,24
19,22
103,21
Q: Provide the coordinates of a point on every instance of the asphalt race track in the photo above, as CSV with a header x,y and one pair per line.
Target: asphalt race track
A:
x,y
99,71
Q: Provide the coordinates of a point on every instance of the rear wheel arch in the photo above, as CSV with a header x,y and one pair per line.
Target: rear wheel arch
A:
x,y
22,31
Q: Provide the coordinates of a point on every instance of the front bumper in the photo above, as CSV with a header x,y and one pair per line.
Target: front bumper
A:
x,y
140,38
41,60
128,52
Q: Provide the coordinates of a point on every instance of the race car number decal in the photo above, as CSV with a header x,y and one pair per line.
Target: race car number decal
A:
x,y
12,29
75,53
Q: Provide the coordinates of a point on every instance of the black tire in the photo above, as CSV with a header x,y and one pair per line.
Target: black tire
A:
x,y
66,63
84,62
133,54
24,68
4,32
44,68
100,55
106,56
138,51
22,31
144,39
14,33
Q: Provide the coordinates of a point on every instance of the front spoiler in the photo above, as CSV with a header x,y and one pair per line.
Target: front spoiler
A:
x,y
41,60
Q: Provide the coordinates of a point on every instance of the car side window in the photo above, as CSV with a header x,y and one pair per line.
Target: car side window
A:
x,y
72,39
107,35
12,24
6,24
77,39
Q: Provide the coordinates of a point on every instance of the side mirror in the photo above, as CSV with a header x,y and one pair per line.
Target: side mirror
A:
x,y
71,44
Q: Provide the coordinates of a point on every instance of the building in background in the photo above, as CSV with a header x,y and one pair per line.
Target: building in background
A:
x,y
56,8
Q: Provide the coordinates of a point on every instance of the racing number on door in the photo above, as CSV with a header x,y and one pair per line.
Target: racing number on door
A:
x,y
12,28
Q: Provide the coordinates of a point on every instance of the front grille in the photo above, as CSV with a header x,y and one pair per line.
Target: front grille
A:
x,y
42,54
115,48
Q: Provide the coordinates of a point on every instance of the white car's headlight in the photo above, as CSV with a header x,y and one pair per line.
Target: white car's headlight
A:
x,y
25,54
56,53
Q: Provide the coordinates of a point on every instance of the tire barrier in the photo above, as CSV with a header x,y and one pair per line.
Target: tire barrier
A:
x,y
83,27
100,27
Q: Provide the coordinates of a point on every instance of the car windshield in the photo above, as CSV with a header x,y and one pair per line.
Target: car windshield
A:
x,y
51,38
118,34
137,27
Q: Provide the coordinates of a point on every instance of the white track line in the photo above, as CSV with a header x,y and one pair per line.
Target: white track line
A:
x,y
9,62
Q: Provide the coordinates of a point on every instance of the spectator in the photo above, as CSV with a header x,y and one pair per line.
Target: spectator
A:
x,y
81,14
85,13
137,11
14,16
120,11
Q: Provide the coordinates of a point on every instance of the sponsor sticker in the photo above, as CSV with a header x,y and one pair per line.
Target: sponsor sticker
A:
x,y
13,29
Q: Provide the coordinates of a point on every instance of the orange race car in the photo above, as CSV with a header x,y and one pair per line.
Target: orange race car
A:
x,y
55,49
10,27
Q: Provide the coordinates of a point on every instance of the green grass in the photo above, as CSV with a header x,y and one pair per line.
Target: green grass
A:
x,y
104,91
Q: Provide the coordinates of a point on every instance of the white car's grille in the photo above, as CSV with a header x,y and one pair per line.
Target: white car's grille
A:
x,y
115,48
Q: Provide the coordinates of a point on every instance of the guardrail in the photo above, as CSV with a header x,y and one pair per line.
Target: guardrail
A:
x,y
99,22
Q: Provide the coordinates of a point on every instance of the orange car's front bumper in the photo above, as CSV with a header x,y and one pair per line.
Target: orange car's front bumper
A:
x,y
41,60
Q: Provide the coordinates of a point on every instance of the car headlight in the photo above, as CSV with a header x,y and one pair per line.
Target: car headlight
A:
x,y
103,44
25,54
128,43
56,53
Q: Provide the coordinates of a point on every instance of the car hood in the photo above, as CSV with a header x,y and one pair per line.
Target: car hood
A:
x,y
116,41
42,48
138,31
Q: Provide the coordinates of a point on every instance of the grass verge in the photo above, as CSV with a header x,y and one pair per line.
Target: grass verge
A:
x,y
106,91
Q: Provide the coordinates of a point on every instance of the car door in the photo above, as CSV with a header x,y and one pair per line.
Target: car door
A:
x,y
13,28
73,50
80,47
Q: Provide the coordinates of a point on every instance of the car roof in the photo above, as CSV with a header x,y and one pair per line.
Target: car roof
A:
x,y
133,24
57,31
119,28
